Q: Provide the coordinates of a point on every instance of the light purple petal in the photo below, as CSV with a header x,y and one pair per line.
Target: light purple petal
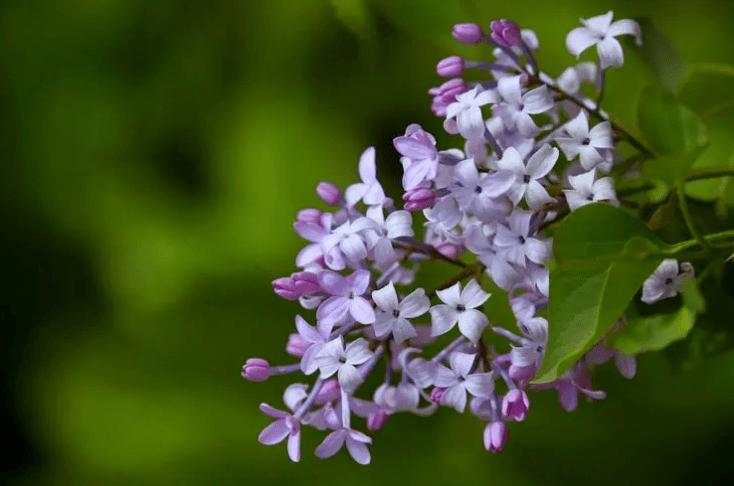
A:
x,y
294,446
462,363
471,324
480,384
359,451
443,318
331,444
361,310
473,296
274,433
386,298
610,53
450,295
580,39
455,397
349,377
415,304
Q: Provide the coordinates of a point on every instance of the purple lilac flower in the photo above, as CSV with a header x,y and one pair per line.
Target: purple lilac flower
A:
x,y
666,281
592,147
459,380
460,306
369,190
346,299
586,190
335,358
505,33
600,31
392,315
419,156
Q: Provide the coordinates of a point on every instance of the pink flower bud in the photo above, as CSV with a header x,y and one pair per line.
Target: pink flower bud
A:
x,y
306,283
445,94
495,436
286,288
468,33
309,215
419,198
296,345
450,67
328,193
256,369
329,392
515,405
505,33
437,394
376,420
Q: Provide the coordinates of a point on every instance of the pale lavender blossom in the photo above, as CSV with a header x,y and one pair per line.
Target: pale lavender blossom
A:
x,y
528,176
586,190
666,281
479,193
460,306
460,380
314,338
355,441
516,107
517,244
369,190
467,110
600,31
285,424
419,156
346,299
592,147
335,358
393,314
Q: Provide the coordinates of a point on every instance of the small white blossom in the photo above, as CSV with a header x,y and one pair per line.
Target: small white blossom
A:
x,y
600,31
460,306
586,190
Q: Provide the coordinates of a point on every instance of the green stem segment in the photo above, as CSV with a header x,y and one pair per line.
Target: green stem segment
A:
x,y
683,203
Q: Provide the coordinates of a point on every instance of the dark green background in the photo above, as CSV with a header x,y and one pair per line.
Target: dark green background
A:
x,y
154,154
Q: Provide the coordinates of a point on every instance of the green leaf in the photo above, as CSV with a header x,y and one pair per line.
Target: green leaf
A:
x,y
602,254
355,16
672,169
653,333
669,127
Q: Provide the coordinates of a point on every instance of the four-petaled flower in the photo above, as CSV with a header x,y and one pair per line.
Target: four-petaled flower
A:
x,y
459,379
346,299
369,190
467,109
460,306
515,242
590,146
666,281
334,358
526,178
600,31
392,315
586,190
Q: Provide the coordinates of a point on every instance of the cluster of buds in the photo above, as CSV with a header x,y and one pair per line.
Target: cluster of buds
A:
x,y
530,154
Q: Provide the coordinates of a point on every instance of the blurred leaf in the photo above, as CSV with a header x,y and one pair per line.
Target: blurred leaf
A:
x,y
669,127
672,168
602,256
660,58
657,332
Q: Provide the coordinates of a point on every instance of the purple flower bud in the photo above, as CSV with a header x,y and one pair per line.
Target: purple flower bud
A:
x,y
515,405
306,283
309,215
376,420
286,288
437,394
505,33
328,193
256,369
468,33
495,436
445,94
329,392
296,345
522,373
450,250
419,198
450,67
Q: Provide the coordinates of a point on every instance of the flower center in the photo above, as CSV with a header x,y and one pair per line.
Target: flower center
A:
x,y
460,308
478,189
521,239
668,281
586,141
395,313
526,178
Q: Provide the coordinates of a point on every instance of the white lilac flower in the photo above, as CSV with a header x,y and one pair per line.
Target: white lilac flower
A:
x,y
479,193
592,147
355,441
585,190
600,31
315,338
517,107
573,77
467,110
666,281
344,245
458,380
335,358
392,315
531,351
369,190
380,231
516,243
285,424
527,176
460,306
346,299
443,218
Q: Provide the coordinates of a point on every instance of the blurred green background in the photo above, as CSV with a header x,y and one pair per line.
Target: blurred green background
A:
x,y
154,156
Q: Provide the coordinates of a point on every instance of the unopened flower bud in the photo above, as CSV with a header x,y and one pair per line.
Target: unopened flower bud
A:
x,y
376,420
450,67
515,405
495,436
309,215
296,345
419,198
328,193
468,33
505,33
286,288
256,369
329,392
522,373
306,283
437,394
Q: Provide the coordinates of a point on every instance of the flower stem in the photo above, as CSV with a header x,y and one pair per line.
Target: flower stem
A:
x,y
683,203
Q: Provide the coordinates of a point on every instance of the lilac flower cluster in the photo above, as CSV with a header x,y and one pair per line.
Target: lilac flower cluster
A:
x,y
484,206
